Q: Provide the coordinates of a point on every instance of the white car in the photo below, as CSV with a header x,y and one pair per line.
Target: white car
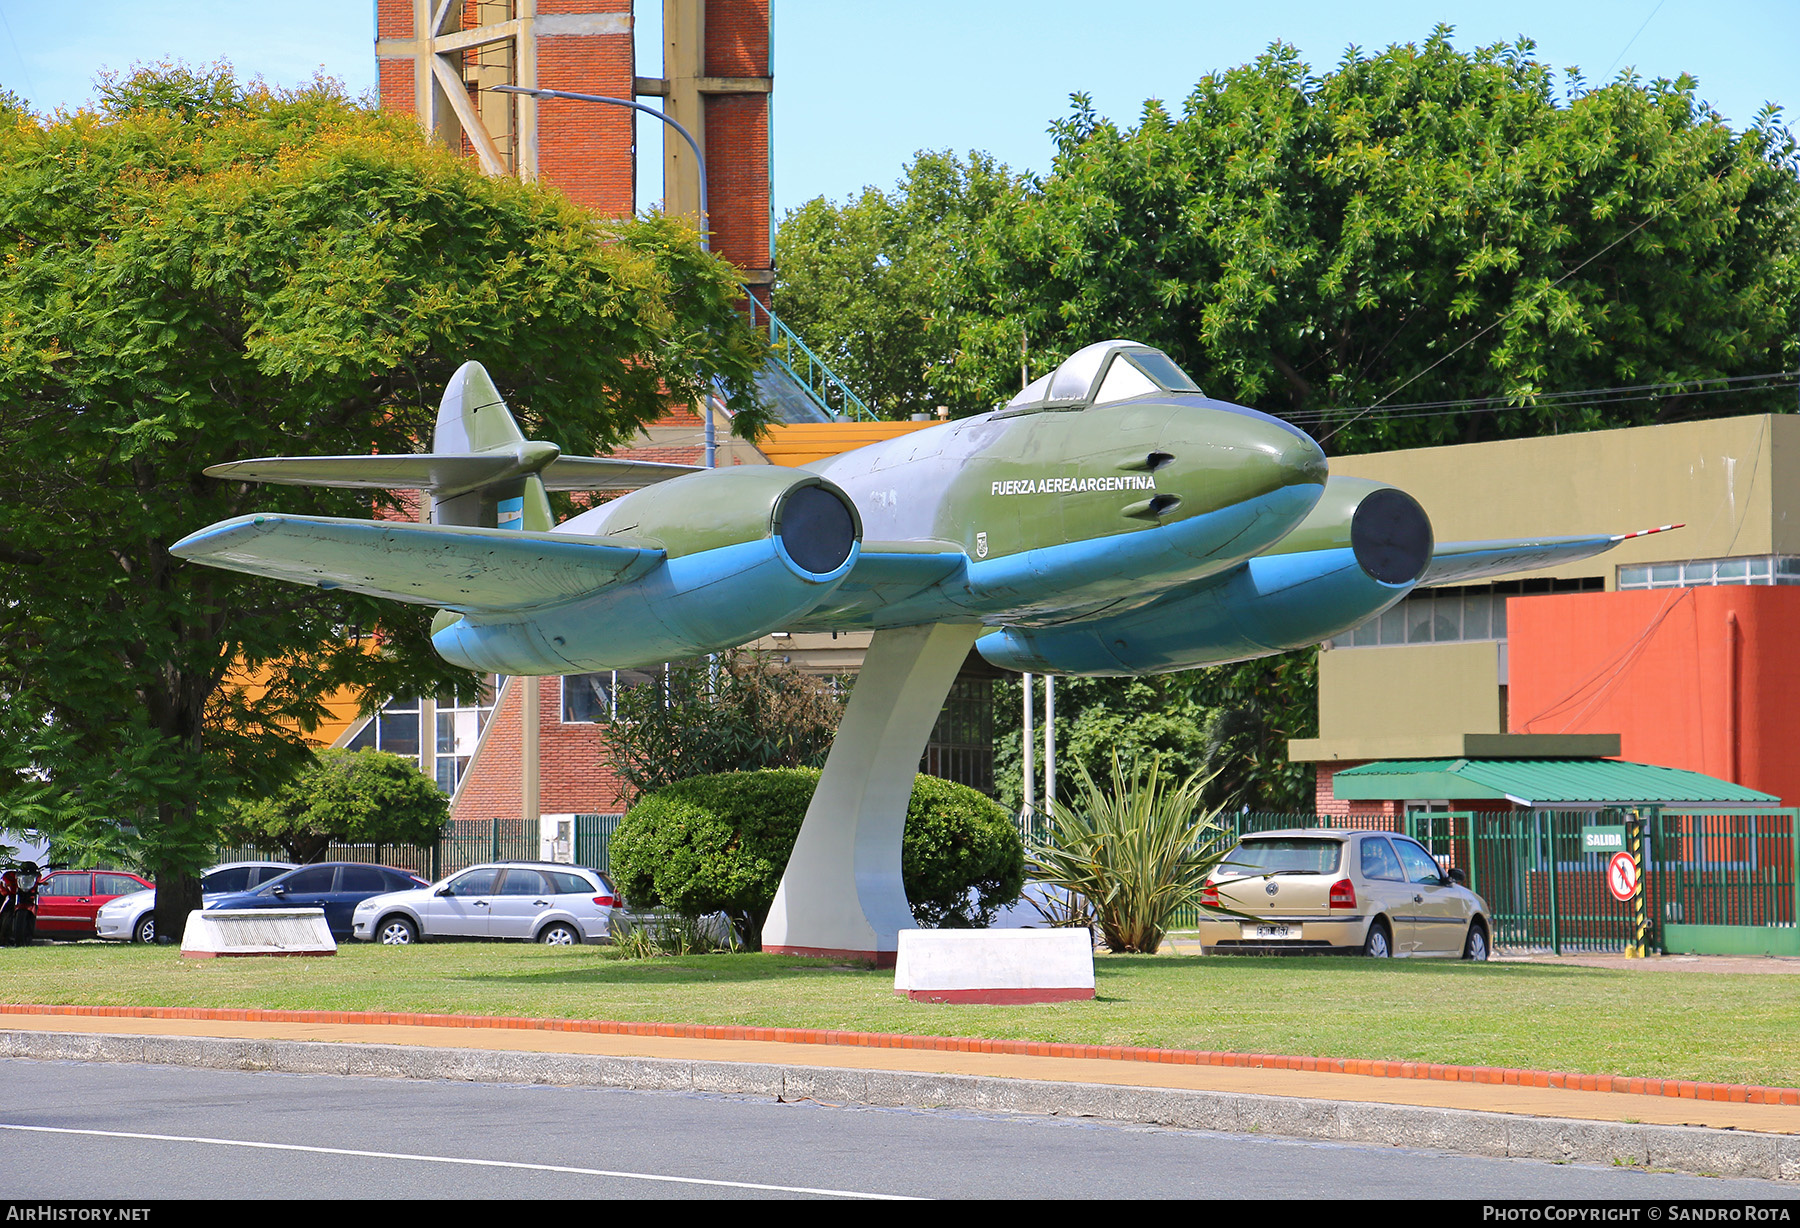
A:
x,y
536,901
132,918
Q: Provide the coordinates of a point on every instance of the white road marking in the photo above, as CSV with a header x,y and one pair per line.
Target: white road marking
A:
x,y
400,1155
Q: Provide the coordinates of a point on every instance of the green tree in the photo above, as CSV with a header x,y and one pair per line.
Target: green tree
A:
x,y
720,843
1229,724
740,712
879,286
352,797
200,272
1095,717
1418,225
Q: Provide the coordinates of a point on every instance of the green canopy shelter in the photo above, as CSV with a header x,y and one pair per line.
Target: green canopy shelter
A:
x,y
1541,783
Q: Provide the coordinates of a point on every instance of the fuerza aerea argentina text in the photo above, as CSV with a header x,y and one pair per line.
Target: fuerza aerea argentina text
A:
x,y
1065,486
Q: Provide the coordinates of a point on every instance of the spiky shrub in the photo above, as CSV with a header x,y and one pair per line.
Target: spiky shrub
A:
x,y
1137,849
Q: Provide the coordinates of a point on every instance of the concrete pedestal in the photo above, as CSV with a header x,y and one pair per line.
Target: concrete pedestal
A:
x,y
842,895
257,931
996,966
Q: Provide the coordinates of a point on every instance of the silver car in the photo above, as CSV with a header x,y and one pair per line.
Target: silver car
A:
x,y
536,901
132,918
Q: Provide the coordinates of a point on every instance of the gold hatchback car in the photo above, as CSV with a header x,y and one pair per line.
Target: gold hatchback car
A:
x,y
1335,891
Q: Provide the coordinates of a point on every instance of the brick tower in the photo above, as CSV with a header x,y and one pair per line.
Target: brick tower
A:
x,y
539,751
439,59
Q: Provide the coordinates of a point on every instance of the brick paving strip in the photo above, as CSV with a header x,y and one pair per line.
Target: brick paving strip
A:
x,y
1730,1093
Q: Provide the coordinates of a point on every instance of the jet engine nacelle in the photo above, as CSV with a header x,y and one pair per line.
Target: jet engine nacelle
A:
x,y
1360,550
744,551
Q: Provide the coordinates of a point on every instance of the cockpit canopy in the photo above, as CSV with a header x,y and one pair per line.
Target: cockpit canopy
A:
x,y
1104,372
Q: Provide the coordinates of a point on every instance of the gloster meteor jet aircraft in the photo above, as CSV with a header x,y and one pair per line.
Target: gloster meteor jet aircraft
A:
x,y
1111,519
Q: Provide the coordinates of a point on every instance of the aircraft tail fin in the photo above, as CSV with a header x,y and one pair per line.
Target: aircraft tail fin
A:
x,y
473,416
473,419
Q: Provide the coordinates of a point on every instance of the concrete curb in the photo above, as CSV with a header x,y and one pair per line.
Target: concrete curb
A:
x,y
1690,1149
1730,1093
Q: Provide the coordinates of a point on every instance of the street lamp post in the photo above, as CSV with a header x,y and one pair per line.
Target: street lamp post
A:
x,y
699,161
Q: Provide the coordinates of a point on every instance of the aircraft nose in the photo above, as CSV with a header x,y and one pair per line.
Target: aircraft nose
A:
x,y
1301,462
1276,455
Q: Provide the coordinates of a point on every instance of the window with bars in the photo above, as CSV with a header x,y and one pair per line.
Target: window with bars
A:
x,y
1455,614
961,746
1705,573
455,725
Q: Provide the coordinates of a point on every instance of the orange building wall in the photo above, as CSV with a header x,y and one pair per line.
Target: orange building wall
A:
x,y
801,443
1659,668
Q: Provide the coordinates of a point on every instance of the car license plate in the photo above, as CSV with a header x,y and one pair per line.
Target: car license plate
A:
x,y
1263,933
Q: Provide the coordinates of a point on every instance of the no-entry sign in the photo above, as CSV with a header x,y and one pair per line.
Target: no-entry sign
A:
x,y
1622,877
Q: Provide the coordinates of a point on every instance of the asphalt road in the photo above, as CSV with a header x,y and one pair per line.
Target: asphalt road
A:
x,y
74,1130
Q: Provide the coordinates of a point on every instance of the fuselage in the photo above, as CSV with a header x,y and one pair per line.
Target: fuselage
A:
x,y
1109,485
1062,513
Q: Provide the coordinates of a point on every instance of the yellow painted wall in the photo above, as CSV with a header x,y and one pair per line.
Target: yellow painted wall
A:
x,y
1374,702
1730,480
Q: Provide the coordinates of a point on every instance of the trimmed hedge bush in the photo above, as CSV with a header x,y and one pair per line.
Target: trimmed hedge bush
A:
x,y
719,844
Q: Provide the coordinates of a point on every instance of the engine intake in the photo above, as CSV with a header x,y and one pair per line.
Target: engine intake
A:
x,y
747,550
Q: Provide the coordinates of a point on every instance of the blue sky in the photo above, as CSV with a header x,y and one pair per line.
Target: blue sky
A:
x,y
861,85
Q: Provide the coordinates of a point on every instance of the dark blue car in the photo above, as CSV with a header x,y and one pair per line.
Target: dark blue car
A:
x,y
336,886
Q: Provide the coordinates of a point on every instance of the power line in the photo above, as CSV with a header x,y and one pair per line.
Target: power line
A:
x,y
1650,216
1634,37
1576,399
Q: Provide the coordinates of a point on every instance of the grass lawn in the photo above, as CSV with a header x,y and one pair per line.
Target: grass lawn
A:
x,y
1723,1027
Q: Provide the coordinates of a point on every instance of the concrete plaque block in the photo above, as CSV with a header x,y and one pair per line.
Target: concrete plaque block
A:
x,y
257,931
997,966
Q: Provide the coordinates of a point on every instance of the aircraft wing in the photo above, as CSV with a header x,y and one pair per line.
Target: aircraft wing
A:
x,y
1461,562
888,575
456,568
450,473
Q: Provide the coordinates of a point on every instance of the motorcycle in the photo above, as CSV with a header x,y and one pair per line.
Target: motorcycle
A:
x,y
18,903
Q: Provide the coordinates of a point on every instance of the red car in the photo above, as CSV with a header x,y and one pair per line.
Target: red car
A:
x,y
69,899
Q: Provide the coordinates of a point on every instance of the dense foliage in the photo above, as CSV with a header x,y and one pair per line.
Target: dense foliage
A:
x,y
1415,226
720,843
1229,723
741,711
1133,850
880,288
1417,246
352,797
200,272
1418,225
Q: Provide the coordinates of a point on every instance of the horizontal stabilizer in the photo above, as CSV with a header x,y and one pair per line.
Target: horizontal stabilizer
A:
x,y
458,568
605,473
446,475
1462,562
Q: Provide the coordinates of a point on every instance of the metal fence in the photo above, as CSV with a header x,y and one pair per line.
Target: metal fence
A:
x,y
1545,891
1726,867
464,843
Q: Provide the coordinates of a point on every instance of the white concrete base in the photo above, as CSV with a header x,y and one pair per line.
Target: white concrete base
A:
x,y
998,966
842,895
257,931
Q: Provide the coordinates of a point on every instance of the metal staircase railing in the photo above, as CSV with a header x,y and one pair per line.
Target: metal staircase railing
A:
x,y
818,381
